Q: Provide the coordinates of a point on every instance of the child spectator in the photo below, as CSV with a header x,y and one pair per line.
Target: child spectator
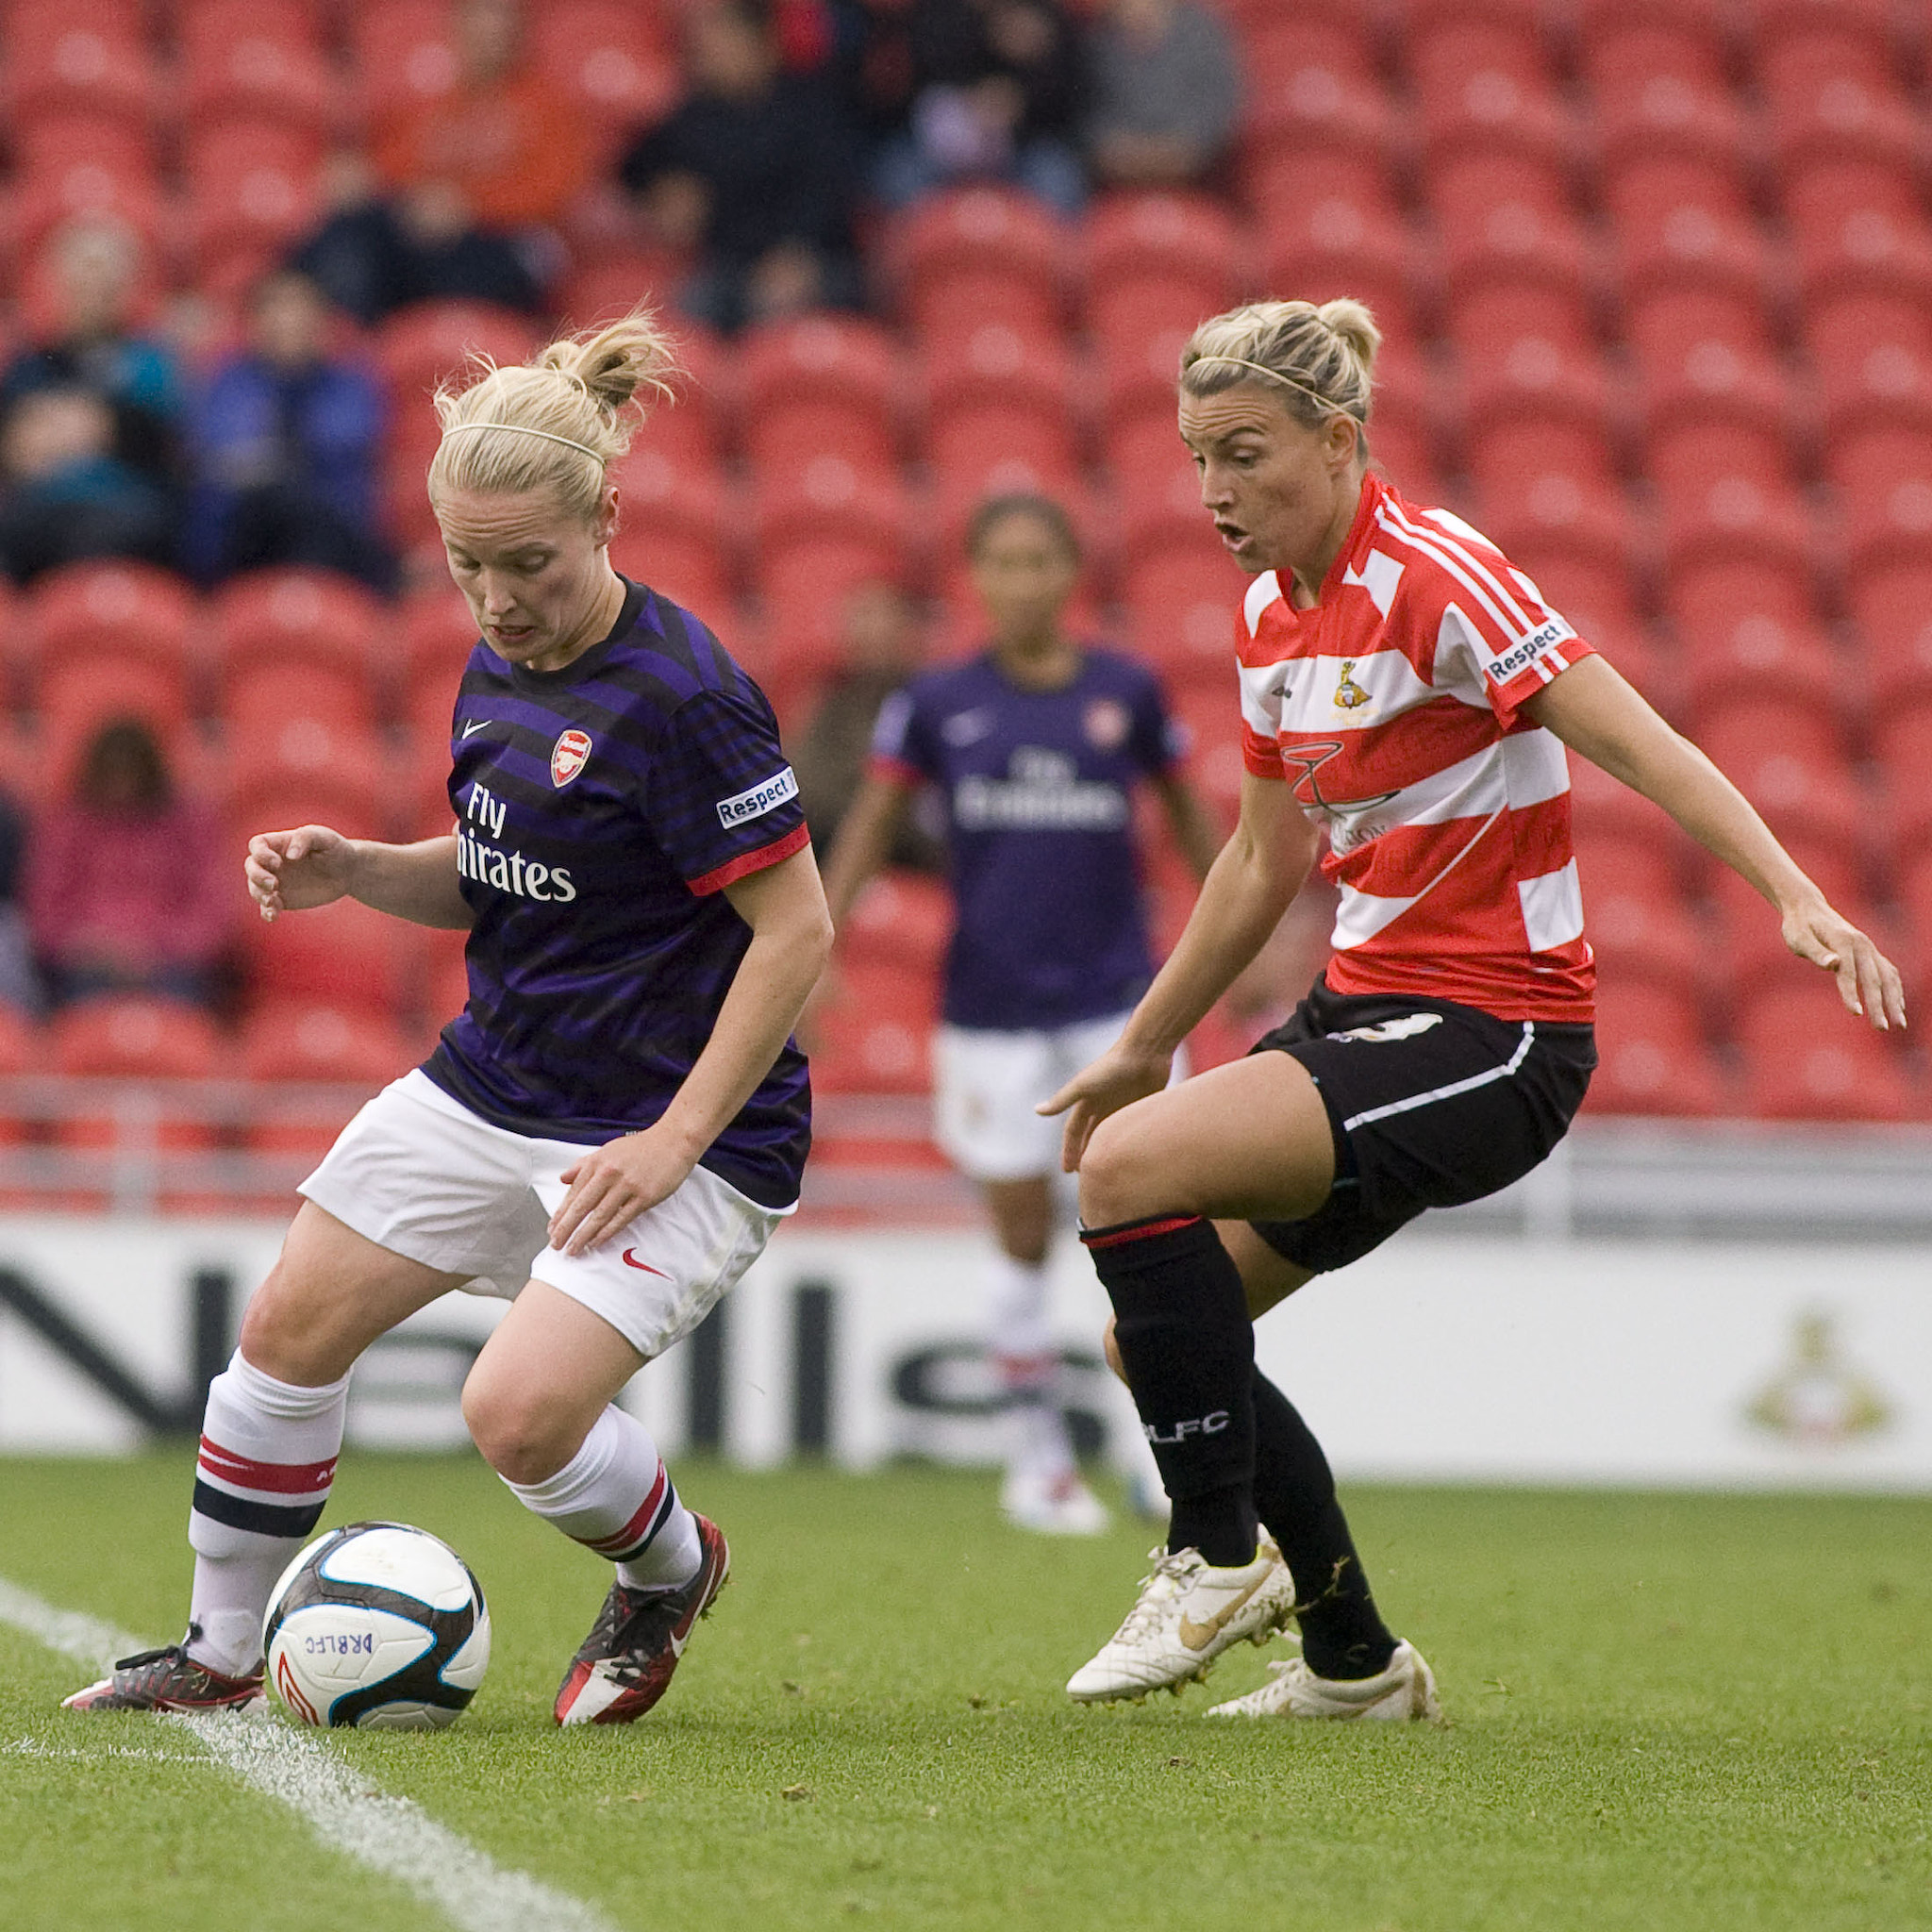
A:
x,y
65,496
130,887
994,96
284,448
1165,93
91,346
753,171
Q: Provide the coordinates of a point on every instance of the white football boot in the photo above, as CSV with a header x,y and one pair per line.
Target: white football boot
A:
x,y
1052,1503
1407,1689
1187,1614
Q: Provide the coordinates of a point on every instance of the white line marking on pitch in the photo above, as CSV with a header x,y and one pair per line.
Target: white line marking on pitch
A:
x,y
392,1835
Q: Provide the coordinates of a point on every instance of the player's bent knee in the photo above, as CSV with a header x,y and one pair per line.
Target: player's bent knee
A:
x,y
523,1437
282,1336
1121,1174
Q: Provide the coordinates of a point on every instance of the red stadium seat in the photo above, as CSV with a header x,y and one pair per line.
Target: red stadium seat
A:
x,y
118,609
1312,115
981,253
424,344
286,1045
616,60
80,60
1212,720
311,774
820,536
433,640
821,386
902,920
1333,247
1284,44
136,1040
403,52
1157,265
308,617
874,1035
672,531
1825,97
1892,606
1805,1057
91,189
1182,598
347,954
1883,474
255,57
58,138
615,281
253,189
1866,251
1284,180
1742,657
298,1039
996,403
1688,455
1903,742
1624,52
1653,1055
1693,246
77,696
1659,325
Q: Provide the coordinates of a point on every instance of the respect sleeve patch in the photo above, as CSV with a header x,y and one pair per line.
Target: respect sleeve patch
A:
x,y
760,799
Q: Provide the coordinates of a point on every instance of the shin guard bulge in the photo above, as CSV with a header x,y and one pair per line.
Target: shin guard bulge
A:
x,y
1182,1327
266,1464
615,1497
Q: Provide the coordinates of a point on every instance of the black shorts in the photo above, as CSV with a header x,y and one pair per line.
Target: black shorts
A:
x,y
1431,1103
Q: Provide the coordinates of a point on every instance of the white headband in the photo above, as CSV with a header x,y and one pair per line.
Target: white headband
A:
x,y
1314,395
525,429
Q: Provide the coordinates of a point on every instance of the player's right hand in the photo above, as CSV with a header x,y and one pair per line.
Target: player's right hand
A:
x,y
292,872
1118,1078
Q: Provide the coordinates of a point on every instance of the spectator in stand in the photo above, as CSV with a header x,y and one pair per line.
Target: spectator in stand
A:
x,y
65,496
284,443
91,345
130,886
1165,93
995,91
466,188
753,173
882,649
20,984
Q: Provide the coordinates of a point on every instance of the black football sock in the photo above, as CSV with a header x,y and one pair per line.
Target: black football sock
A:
x,y
1343,1632
1181,1325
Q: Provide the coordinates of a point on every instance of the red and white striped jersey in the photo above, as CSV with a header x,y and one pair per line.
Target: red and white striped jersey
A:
x,y
1392,706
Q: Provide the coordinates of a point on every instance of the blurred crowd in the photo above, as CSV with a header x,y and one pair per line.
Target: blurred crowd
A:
x,y
801,123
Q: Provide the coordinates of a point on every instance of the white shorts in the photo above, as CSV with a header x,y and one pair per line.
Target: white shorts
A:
x,y
417,1173
986,1085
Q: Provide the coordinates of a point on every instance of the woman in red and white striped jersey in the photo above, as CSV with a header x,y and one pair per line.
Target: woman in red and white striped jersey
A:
x,y
1409,692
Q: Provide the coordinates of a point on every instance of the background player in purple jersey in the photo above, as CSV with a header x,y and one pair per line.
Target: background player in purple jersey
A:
x,y
1036,747
612,1128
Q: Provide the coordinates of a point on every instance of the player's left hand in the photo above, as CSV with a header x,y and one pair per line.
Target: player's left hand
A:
x,y
1867,982
612,1185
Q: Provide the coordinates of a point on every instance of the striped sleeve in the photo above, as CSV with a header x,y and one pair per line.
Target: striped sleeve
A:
x,y
1495,631
896,743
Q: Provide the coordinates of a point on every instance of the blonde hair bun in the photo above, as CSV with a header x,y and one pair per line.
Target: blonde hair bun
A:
x,y
1321,357
557,422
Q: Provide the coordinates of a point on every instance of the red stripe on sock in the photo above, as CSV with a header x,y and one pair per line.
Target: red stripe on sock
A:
x,y
634,1530
1139,1231
282,1478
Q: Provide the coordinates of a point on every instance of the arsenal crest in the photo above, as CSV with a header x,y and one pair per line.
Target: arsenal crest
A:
x,y
1107,724
568,757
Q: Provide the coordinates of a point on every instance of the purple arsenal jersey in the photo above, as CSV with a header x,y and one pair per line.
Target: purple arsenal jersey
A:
x,y
601,809
1039,792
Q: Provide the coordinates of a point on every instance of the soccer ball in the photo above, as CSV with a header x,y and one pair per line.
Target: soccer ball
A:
x,y
376,1624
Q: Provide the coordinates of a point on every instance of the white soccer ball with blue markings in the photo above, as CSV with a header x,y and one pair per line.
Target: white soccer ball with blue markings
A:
x,y
376,1624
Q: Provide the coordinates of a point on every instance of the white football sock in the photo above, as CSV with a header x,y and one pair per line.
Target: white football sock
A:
x,y
616,1497
267,1462
1022,1345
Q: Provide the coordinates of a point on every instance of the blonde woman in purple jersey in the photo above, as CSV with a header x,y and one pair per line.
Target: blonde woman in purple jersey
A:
x,y
612,1128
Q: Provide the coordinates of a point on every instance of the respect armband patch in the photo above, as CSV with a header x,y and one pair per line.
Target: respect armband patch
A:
x,y
760,799
1525,651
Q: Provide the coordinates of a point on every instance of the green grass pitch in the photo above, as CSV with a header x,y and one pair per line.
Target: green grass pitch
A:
x,y
1668,1711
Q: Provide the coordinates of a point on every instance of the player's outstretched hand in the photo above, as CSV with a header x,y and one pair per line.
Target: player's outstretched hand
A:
x,y
1118,1078
612,1185
292,872
1867,982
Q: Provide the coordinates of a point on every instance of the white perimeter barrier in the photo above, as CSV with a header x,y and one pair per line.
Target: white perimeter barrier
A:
x,y
1453,1356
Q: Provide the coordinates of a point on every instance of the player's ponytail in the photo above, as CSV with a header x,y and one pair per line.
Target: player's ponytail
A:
x,y
1321,360
556,422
